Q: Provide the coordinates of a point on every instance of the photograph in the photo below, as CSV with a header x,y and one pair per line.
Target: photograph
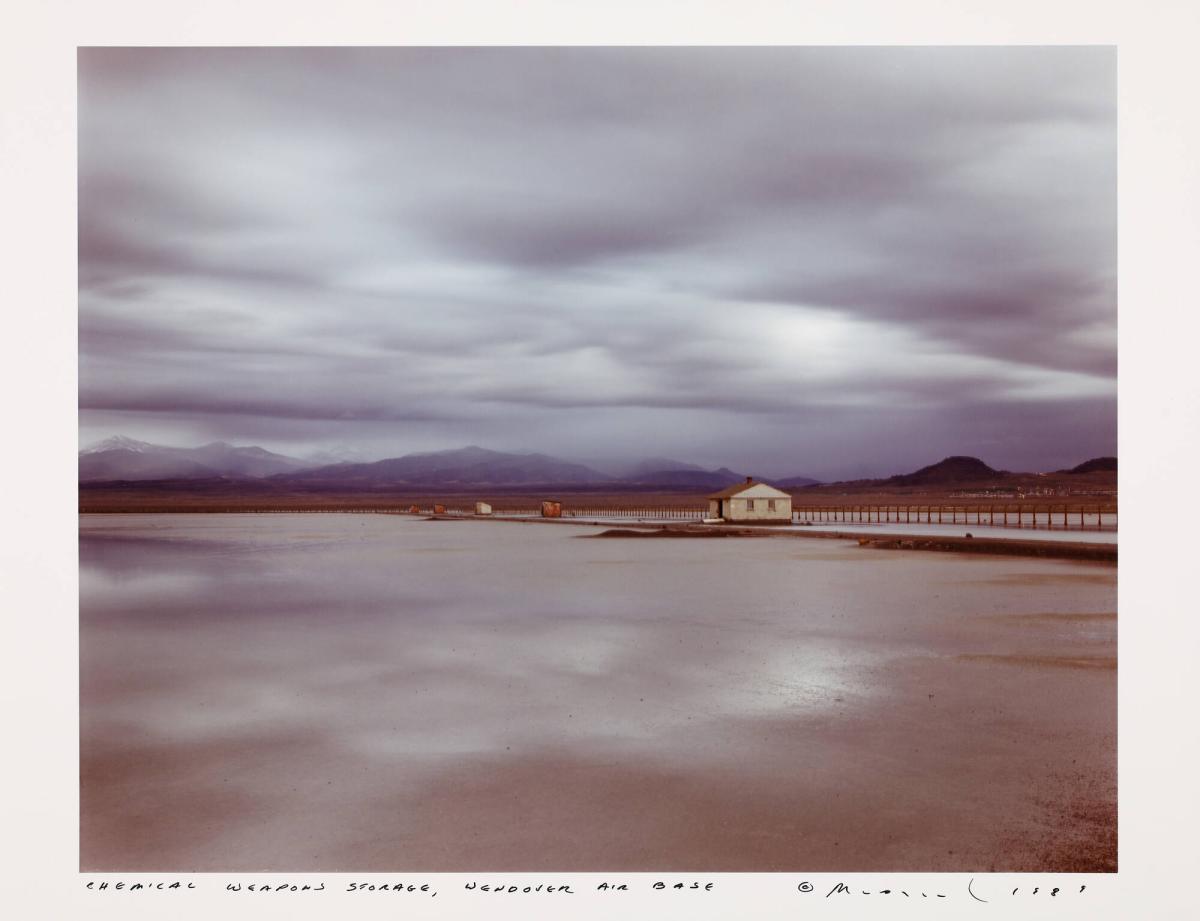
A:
x,y
542,459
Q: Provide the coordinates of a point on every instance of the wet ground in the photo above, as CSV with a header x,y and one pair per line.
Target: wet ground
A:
x,y
368,692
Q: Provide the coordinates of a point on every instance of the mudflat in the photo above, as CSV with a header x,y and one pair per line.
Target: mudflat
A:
x,y
362,692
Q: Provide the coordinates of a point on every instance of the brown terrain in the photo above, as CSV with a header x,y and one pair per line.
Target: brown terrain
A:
x,y
243,497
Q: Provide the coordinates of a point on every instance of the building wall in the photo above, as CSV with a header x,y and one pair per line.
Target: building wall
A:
x,y
737,509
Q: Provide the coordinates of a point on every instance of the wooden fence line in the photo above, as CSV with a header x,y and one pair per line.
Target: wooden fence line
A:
x,y
1045,517
1034,517
673,512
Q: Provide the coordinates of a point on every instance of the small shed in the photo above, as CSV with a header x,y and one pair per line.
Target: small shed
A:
x,y
482,508
751,503
551,508
439,510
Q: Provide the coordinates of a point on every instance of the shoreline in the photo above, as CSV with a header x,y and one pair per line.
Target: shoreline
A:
x,y
1043,549
1084,551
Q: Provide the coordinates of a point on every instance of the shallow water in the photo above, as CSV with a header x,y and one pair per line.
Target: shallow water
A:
x,y
370,692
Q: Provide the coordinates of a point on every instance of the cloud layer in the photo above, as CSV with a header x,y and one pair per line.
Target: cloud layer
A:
x,y
800,260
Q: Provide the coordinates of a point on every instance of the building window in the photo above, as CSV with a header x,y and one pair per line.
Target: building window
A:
x,y
749,505
770,505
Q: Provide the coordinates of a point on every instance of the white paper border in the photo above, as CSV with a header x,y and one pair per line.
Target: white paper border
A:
x,y
1159,408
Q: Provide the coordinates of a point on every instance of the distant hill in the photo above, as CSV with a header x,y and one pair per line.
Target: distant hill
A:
x,y
1095,464
122,458
654,466
958,469
471,466
795,482
688,478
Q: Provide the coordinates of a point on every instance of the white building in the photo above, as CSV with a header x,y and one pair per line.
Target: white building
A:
x,y
751,502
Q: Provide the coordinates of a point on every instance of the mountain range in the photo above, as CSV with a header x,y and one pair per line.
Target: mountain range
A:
x,y
122,458
470,466
126,460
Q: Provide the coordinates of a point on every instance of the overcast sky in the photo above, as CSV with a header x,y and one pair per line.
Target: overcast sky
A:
x,y
831,262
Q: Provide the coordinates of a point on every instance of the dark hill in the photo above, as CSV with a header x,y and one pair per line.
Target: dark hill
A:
x,y
1096,463
956,469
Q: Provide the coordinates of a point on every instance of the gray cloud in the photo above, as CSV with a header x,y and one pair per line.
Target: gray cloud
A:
x,y
602,250
184,402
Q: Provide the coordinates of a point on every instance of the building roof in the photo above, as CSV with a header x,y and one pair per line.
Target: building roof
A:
x,y
730,491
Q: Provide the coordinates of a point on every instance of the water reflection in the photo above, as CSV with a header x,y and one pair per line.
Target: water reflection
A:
x,y
283,676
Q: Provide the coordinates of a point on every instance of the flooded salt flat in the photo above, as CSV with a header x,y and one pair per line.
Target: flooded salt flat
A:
x,y
371,692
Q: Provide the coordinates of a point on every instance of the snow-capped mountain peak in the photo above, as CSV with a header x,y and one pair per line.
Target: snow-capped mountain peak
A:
x,y
119,443
122,458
